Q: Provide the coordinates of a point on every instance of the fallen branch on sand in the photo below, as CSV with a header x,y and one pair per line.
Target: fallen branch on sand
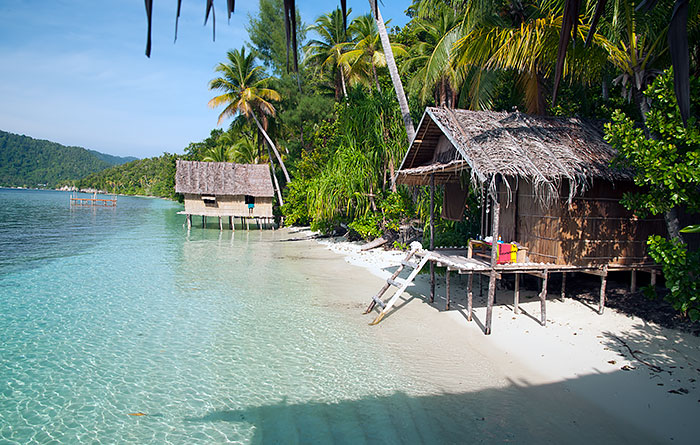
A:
x,y
633,353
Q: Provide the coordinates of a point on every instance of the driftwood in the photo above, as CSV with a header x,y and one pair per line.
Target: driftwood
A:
x,y
374,244
633,353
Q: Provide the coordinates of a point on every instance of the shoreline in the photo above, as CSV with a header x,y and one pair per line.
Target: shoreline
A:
x,y
637,373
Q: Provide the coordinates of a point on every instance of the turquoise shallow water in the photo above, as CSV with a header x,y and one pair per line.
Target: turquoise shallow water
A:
x,y
222,337
107,312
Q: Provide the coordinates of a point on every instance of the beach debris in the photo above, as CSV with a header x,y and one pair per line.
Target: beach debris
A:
x,y
139,414
374,244
634,354
678,391
612,362
628,368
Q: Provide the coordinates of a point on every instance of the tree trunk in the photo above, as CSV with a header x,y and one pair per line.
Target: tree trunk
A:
x,y
274,178
394,73
376,78
673,225
269,141
342,82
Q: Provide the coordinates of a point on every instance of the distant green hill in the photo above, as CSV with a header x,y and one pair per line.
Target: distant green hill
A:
x,y
29,162
111,159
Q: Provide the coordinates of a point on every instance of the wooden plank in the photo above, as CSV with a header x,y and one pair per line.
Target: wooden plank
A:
x,y
447,290
432,236
543,300
516,297
603,282
494,259
563,286
470,296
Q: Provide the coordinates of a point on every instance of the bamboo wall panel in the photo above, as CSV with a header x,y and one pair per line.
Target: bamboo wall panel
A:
x,y
593,229
229,205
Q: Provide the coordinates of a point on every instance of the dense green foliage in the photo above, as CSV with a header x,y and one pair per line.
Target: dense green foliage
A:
x,y
28,162
151,176
667,167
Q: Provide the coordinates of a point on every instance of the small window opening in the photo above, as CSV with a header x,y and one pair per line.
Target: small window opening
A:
x,y
209,201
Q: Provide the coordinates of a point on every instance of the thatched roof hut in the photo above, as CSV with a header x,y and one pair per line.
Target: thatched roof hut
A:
x,y
225,189
551,195
223,178
545,150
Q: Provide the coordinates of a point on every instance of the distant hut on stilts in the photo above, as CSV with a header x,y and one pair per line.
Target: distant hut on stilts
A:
x,y
226,190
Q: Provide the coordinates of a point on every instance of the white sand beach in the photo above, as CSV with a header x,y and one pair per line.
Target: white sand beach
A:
x,y
577,374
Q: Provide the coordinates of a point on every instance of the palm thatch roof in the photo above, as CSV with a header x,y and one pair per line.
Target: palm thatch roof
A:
x,y
223,178
544,150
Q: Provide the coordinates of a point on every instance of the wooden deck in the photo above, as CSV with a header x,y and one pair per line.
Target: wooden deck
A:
x,y
457,260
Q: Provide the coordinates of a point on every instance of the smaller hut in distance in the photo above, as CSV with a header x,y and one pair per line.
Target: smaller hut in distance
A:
x,y
226,190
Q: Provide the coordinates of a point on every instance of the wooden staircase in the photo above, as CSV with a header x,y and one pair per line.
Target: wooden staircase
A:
x,y
400,285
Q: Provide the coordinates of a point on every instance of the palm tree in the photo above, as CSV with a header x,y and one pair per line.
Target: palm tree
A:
x,y
326,51
219,153
393,71
246,93
432,55
525,44
365,54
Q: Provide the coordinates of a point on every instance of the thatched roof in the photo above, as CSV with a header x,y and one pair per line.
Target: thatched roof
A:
x,y
223,178
544,150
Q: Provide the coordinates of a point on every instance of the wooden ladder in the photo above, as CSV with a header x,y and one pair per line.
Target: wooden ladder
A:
x,y
391,281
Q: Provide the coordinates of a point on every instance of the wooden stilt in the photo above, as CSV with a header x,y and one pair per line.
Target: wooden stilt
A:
x,y
204,221
653,278
516,297
633,281
230,222
432,236
603,283
494,259
447,290
221,224
189,222
543,299
247,223
470,296
563,286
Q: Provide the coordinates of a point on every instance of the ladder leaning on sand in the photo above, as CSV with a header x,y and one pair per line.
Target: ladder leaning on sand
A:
x,y
391,281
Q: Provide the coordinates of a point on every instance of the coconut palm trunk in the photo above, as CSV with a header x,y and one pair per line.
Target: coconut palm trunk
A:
x,y
272,145
393,72
274,178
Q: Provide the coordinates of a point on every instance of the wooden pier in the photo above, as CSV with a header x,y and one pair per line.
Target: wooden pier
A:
x,y
459,260
93,202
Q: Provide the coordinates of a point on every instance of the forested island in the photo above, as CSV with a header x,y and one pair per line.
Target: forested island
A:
x,y
29,162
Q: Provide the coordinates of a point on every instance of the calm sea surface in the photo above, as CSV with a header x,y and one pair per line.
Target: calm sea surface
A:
x,y
119,326
216,337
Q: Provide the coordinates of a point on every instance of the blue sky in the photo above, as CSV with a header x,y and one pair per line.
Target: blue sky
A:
x,y
74,71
